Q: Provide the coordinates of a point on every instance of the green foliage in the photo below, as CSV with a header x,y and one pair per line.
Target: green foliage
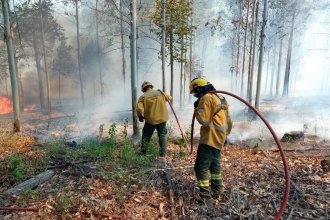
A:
x,y
17,167
57,148
178,26
104,150
112,131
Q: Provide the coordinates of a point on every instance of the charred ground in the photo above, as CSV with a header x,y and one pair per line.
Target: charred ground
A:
x,y
101,176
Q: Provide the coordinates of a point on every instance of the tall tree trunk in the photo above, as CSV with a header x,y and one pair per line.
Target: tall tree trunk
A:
x,y
238,45
232,68
279,68
59,88
122,42
244,47
288,63
181,74
261,53
190,57
78,55
163,42
44,56
253,48
11,64
267,73
134,67
99,64
273,70
171,63
40,80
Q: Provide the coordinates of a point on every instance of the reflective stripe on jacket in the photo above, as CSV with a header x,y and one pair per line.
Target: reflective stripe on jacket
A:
x,y
215,121
152,106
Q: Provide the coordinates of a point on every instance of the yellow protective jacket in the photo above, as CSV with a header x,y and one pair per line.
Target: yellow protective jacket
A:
x,y
215,120
152,106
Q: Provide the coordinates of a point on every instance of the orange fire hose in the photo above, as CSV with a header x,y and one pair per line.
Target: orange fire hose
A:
x,y
285,199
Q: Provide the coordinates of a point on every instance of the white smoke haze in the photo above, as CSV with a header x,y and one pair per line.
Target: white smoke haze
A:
x,y
306,109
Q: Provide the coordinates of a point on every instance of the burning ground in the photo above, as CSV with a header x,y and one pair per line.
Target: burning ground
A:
x,y
96,173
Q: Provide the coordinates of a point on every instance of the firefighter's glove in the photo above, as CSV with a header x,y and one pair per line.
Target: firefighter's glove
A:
x,y
141,118
196,103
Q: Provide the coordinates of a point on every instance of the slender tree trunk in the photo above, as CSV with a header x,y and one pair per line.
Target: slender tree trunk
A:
x,y
171,63
78,55
261,53
99,64
288,63
232,68
134,67
122,43
238,47
279,68
190,57
273,70
40,80
11,64
59,88
267,73
44,56
181,74
252,55
163,42
244,47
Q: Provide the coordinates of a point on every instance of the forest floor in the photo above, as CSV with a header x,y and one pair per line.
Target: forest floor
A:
x,y
105,178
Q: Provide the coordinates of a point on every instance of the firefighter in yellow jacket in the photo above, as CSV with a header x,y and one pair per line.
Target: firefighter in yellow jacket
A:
x,y
211,111
151,108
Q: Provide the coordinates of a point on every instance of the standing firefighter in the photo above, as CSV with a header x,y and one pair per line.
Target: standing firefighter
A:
x,y
212,113
151,107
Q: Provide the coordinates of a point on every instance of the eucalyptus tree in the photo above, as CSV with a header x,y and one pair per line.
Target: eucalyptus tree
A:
x,y
40,35
261,51
292,16
11,64
177,29
4,68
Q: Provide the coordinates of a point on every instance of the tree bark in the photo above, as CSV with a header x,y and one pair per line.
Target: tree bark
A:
x,y
253,48
30,183
238,46
40,80
279,68
244,47
181,74
171,63
99,63
122,43
11,63
134,67
163,43
45,57
288,63
78,55
261,53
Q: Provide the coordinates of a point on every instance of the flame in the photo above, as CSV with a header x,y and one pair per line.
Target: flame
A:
x,y
5,105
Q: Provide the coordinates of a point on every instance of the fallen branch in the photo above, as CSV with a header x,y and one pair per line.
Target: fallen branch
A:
x,y
30,183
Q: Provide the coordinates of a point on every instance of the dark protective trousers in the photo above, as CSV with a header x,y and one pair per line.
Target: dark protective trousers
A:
x,y
147,133
208,159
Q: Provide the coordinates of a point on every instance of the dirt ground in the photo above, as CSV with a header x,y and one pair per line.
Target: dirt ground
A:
x,y
253,180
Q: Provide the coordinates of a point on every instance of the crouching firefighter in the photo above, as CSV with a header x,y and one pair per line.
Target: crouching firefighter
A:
x,y
211,111
152,109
